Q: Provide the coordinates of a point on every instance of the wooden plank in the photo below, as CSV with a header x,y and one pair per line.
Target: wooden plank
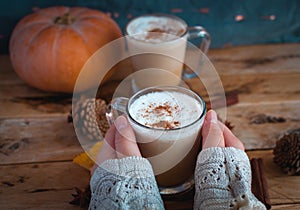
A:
x,y
22,90
256,59
41,186
28,140
249,126
49,199
264,87
285,207
16,101
35,106
251,88
283,189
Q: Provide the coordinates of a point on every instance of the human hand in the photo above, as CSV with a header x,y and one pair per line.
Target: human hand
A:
x,y
216,134
119,142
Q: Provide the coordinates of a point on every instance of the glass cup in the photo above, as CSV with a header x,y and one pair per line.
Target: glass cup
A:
x,y
158,42
167,121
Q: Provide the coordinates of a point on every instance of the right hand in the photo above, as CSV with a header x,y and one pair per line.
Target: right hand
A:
x,y
216,134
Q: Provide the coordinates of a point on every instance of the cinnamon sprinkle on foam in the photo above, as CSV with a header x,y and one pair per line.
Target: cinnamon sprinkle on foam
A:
x,y
165,110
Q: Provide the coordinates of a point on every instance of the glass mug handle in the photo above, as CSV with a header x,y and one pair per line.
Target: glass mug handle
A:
x,y
193,33
116,108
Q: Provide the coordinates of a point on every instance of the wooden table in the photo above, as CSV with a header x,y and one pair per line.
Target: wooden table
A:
x,y
37,144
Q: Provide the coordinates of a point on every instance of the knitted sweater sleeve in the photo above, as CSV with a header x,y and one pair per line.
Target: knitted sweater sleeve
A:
x,y
125,184
223,180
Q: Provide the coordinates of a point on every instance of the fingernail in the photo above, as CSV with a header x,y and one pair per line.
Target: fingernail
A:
x,y
121,122
212,117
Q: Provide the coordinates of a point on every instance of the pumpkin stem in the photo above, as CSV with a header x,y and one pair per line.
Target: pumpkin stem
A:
x,y
65,19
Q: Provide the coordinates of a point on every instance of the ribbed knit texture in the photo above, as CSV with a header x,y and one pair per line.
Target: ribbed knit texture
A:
x,y
125,184
223,180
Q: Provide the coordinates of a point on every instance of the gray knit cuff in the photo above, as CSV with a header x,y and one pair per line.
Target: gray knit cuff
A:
x,y
223,180
213,154
132,166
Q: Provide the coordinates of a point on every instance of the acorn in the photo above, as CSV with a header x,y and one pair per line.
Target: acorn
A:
x,y
89,118
287,153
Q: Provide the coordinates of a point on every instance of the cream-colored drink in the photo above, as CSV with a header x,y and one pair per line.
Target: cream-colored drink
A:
x,y
158,44
167,128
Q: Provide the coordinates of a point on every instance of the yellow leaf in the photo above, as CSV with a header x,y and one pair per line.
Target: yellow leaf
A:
x,y
85,159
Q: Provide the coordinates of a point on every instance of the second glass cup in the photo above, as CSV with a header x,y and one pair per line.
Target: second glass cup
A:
x,y
158,42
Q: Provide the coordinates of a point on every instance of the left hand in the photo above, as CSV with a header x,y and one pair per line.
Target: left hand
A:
x,y
119,142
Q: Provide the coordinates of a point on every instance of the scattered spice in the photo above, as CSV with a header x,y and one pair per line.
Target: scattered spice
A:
x,y
165,124
229,124
263,118
159,30
163,110
81,198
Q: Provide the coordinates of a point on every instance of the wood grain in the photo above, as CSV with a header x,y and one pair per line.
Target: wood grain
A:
x,y
21,100
285,207
27,140
263,136
40,186
256,59
37,144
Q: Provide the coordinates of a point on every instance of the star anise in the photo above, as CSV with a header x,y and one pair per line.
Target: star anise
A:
x,y
81,198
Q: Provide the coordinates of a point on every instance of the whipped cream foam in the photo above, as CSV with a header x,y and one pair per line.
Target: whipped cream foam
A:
x,y
155,29
165,110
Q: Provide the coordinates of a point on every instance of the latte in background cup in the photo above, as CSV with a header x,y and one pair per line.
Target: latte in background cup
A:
x,y
158,43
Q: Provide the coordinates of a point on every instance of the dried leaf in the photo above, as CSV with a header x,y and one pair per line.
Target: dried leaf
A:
x,y
86,159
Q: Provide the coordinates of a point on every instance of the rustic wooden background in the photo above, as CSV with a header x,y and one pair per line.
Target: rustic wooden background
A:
x,y
37,143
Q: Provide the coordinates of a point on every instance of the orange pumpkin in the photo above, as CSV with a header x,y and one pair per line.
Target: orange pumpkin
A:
x,y
49,47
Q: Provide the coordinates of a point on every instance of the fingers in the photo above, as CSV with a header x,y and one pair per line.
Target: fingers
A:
x,y
216,134
230,139
119,142
125,142
211,131
107,150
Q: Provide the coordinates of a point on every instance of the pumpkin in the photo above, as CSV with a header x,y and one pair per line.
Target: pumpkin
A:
x,y
49,47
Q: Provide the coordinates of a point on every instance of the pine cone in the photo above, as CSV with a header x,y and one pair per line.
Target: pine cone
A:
x,y
90,119
287,153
